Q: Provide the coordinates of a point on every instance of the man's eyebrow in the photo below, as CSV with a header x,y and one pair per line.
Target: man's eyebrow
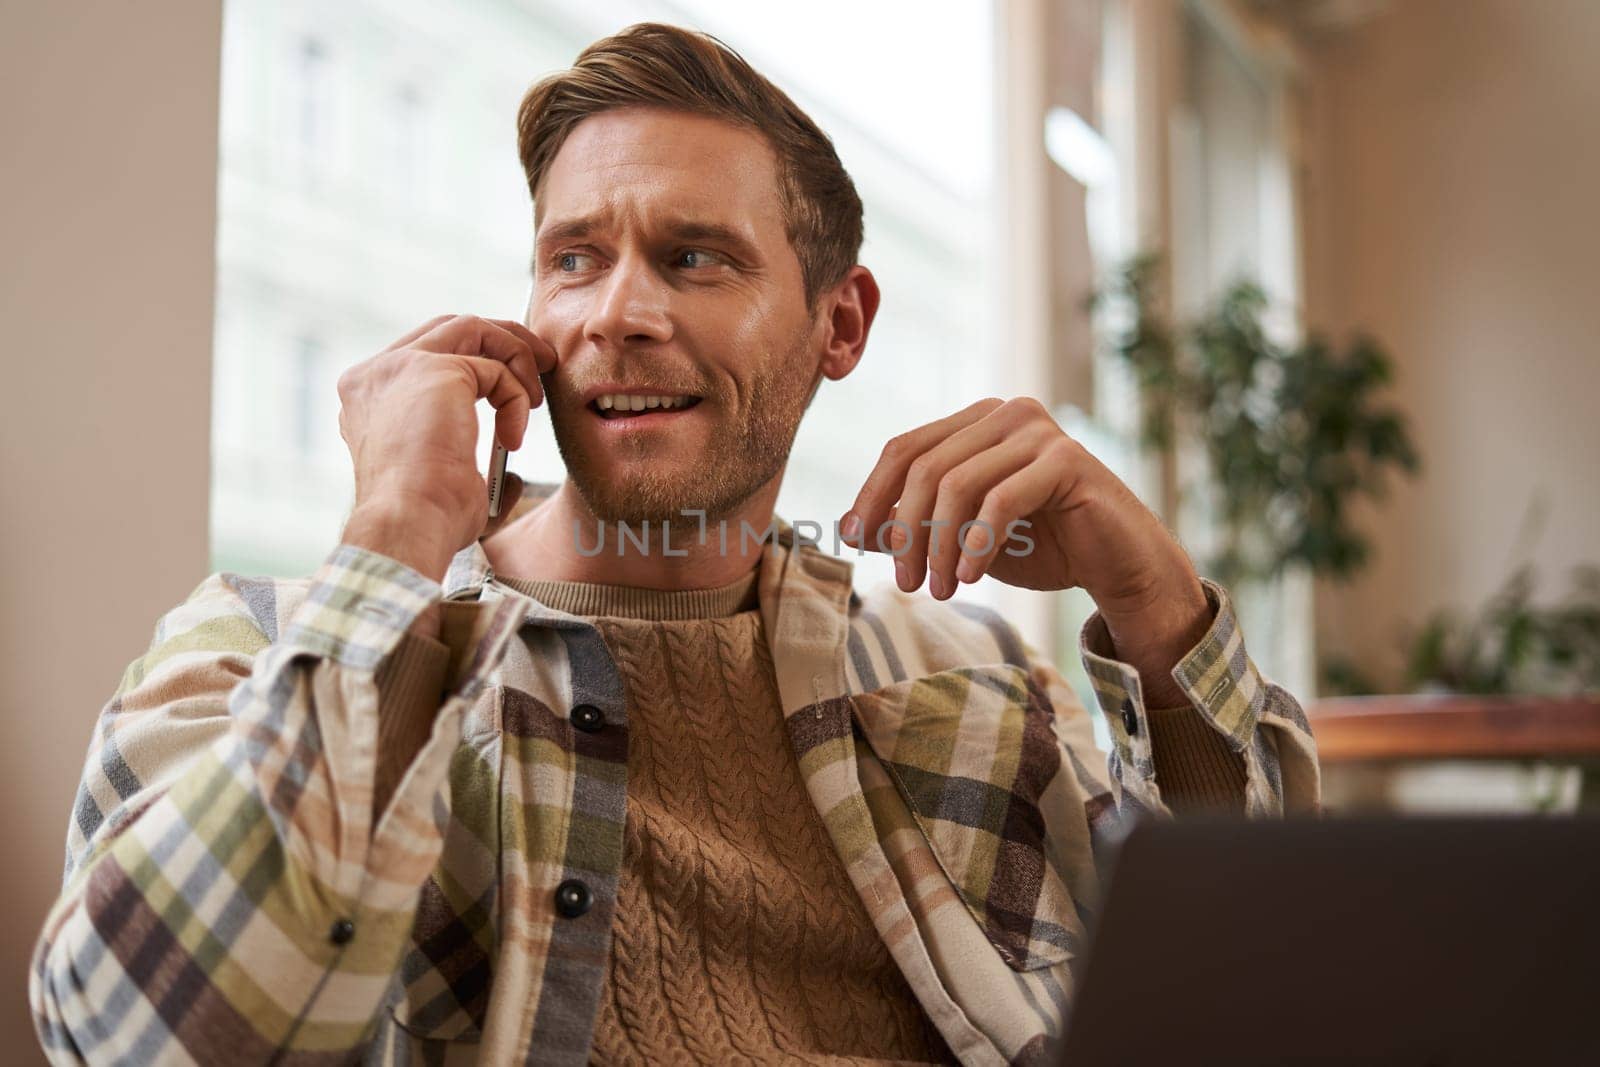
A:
x,y
566,230
679,229
694,230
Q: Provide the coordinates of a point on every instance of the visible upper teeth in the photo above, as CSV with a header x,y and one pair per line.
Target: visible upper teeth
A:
x,y
624,402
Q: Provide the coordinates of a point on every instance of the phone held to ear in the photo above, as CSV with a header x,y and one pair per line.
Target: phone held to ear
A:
x,y
497,478
497,461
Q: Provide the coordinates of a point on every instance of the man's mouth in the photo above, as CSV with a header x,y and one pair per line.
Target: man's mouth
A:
x,y
619,406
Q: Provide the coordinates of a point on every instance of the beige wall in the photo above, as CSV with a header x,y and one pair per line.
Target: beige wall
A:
x,y
1453,198
108,171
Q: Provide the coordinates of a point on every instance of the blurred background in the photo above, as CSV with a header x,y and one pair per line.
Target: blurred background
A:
x,y
1315,277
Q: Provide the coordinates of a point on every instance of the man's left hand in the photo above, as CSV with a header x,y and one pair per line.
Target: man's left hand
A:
x,y
997,462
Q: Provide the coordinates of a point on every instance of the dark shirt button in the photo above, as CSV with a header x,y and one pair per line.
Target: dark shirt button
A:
x,y
341,931
573,898
588,718
1130,721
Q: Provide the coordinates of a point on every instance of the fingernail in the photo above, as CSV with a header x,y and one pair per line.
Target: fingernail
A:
x,y
936,585
902,576
967,569
850,529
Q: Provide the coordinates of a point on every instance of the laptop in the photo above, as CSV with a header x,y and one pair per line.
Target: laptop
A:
x,y
1429,940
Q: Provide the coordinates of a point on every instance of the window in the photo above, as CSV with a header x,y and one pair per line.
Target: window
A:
x,y
1201,135
408,159
306,397
312,118
1233,217
368,263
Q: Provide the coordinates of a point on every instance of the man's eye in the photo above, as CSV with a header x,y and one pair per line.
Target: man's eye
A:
x,y
695,257
572,261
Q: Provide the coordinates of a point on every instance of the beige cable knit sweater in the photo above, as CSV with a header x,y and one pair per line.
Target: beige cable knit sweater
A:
x,y
738,935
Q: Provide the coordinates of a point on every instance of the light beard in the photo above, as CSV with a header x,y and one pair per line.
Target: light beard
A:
x,y
738,461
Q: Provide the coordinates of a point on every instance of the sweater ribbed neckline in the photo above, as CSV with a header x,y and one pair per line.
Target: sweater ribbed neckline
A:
x,y
597,600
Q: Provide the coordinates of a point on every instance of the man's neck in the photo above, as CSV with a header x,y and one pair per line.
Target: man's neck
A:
x,y
560,539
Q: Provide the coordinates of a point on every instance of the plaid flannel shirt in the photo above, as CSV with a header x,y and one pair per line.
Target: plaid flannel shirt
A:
x,y
228,896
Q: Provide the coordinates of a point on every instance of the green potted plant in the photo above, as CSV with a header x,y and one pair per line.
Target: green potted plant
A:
x,y
1292,433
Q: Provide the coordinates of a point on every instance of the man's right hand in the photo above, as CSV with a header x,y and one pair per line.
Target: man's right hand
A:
x,y
409,418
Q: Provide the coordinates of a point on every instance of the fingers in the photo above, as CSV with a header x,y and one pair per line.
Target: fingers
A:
x,y
530,354
505,340
426,327
1013,497
956,487
930,478
544,356
506,393
468,335
884,485
957,512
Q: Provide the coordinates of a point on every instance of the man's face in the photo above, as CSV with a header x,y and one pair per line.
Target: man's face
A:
x,y
662,268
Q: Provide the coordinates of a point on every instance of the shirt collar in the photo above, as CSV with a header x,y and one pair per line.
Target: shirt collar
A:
x,y
469,569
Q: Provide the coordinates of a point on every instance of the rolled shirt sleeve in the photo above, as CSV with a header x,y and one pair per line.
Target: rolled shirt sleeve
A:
x,y
1239,731
229,893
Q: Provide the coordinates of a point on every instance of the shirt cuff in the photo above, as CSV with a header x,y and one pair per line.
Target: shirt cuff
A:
x,y
361,605
1222,684
358,607
357,613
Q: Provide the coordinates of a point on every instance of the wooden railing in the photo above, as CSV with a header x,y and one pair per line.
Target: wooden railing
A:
x,y
1416,727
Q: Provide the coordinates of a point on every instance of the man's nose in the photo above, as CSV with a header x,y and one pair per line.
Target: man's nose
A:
x,y
630,306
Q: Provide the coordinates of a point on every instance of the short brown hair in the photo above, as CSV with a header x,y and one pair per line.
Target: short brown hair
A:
x,y
652,64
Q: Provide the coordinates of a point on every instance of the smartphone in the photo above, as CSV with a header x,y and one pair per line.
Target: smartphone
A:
x,y
497,478
497,461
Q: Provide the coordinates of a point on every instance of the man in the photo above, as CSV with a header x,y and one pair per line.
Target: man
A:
x,y
552,791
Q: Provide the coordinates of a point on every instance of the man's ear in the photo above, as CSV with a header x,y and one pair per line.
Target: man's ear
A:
x,y
848,310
